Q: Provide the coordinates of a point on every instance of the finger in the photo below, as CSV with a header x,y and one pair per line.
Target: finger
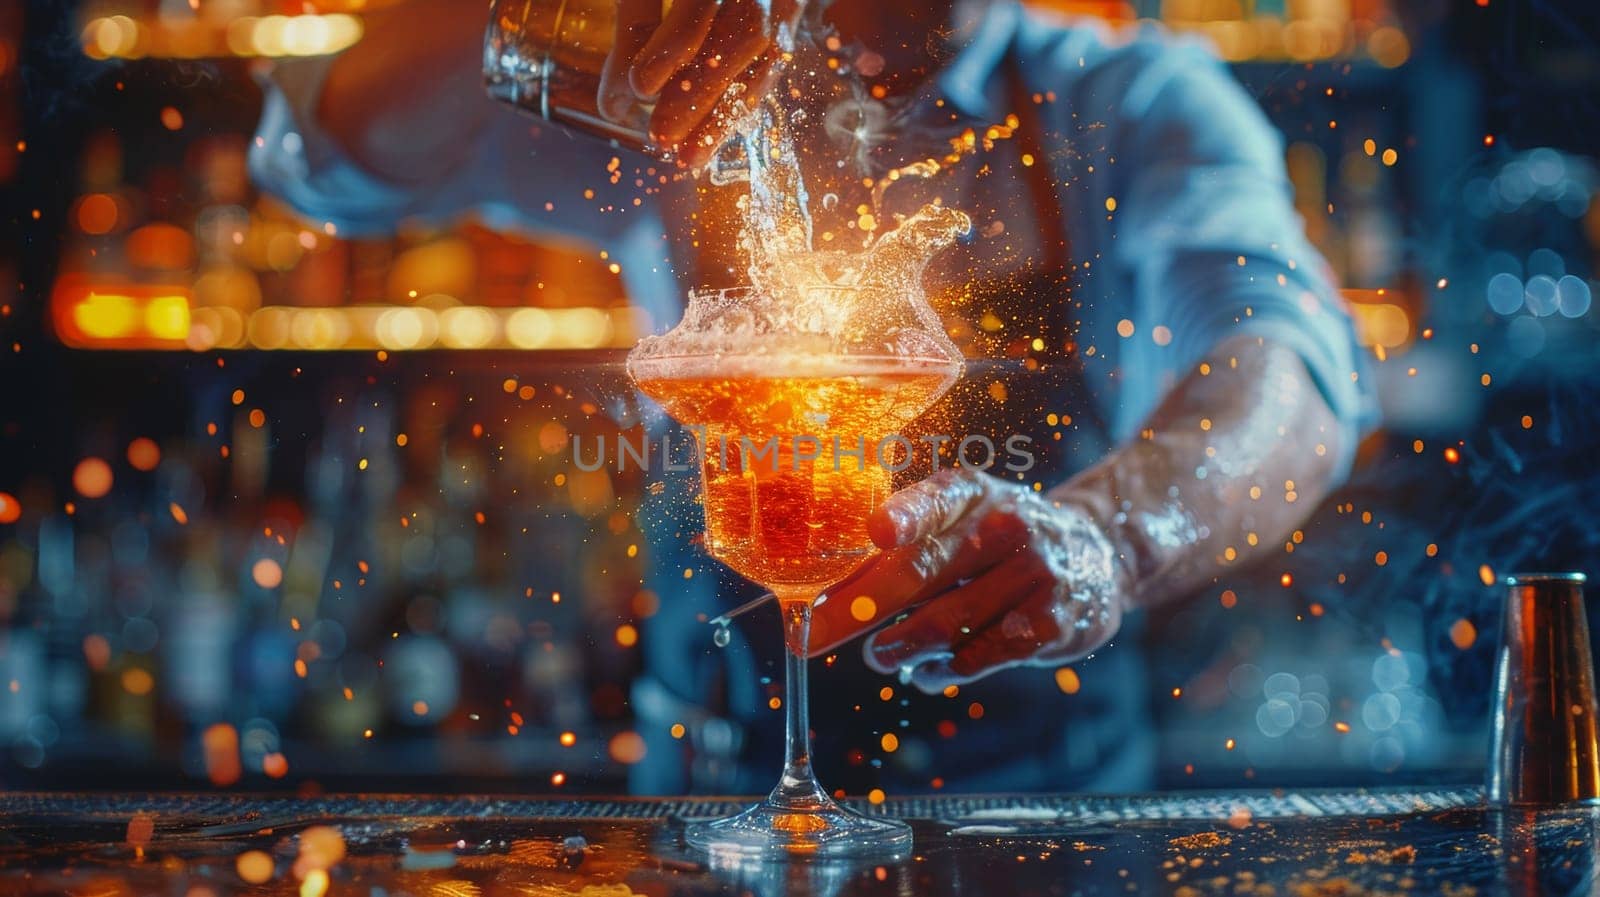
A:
x,y
707,136
1032,633
1045,634
738,38
673,44
889,584
928,507
895,580
1016,637
636,21
1084,627
946,622
934,676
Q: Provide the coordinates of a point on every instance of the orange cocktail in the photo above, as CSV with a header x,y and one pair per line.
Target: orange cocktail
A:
x,y
794,454
797,388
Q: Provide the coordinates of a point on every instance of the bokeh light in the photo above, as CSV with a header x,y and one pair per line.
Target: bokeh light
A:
x,y
97,214
144,454
266,573
626,747
92,478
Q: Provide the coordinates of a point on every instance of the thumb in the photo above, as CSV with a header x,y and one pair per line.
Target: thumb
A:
x,y
927,508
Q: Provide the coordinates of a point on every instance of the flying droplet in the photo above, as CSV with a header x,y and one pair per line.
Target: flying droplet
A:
x,y
722,636
830,200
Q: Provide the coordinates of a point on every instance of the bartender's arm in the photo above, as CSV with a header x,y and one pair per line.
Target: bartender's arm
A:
x,y
399,127
996,575
978,573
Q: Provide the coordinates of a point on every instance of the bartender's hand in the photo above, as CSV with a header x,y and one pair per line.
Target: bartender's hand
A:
x,y
996,575
990,575
688,59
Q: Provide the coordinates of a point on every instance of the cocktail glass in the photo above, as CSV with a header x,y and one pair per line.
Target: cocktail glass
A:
x,y
797,446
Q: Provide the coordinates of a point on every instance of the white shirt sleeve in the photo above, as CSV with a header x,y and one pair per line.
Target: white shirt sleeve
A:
x,y
295,161
1204,242
521,175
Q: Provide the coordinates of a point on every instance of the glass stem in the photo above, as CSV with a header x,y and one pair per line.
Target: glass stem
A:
x,y
798,788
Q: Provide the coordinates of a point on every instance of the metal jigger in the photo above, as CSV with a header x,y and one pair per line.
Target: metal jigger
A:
x,y
1543,748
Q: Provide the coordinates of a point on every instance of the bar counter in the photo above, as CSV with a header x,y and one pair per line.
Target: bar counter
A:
x,y
1308,843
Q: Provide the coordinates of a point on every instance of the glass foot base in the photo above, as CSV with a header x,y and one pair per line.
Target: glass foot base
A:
x,y
772,831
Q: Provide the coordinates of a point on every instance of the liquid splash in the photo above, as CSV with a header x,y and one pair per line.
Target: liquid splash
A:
x,y
963,145
807,302
776,228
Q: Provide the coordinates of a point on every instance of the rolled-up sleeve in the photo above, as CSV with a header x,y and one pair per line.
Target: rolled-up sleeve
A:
x,y
519,175
1205,231
518,171
294,160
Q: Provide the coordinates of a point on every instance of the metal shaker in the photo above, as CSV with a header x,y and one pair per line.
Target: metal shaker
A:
x,y
1543,747
545,57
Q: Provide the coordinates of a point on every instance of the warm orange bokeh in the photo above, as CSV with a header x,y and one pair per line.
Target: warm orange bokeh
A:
x,y
144,454
92,478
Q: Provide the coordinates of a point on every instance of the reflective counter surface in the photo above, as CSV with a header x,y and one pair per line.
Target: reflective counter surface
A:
x,y
1293,844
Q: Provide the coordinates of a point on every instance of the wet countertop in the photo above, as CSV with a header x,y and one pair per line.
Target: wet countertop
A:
x,y
1309,843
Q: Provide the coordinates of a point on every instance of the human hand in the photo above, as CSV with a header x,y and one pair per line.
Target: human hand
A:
x,y
993,574
688,59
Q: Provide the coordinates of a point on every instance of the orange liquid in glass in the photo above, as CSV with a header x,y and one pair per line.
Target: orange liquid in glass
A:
x,y
790,522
